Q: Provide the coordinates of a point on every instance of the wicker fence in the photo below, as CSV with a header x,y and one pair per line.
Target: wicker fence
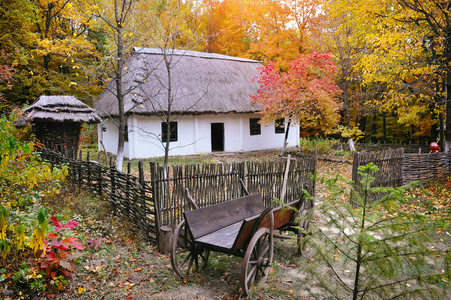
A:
x,y
214,183
149,204
422,167
397,168
129,195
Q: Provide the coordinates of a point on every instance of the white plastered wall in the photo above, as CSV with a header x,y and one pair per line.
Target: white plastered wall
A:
x,y
194,135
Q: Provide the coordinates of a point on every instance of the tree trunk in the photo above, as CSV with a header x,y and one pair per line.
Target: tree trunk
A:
x,y
120,96
363,125
384,128
284,146
46,62
447,80
373,129
169,111
448,110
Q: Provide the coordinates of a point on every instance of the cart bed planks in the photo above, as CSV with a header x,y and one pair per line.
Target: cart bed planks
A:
x,y
209,219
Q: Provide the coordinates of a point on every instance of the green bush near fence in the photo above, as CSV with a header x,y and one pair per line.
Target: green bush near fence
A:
x,y
366,249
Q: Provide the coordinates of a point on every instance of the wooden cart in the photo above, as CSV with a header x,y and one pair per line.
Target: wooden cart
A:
x,y
240,227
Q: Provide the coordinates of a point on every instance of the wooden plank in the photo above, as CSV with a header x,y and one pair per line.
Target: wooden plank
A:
x,y
283,216
223,238
206,220
243,236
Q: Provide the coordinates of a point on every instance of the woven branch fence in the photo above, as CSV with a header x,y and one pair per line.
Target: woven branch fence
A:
x,y
210,184
397,168
150,204
130,196
422,167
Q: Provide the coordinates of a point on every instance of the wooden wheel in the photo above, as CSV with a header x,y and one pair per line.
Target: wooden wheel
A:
x,y
257,260
187,257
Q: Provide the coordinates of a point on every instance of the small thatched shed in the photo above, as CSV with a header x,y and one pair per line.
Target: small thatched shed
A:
x,y
57,120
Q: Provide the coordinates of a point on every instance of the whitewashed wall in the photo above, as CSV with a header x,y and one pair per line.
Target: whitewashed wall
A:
x,y
194,135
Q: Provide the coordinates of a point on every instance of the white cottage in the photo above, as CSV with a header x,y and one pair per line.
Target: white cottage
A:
x,y
210,108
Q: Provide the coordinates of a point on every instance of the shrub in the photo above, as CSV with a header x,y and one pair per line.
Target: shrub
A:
x,y
24,180
371,249
323,146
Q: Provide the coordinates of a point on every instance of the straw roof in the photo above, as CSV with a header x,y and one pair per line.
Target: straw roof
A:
x,y
202,83
58,109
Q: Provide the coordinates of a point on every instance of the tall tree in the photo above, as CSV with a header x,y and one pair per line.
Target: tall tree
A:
x,y
266,30
433,19
166,25
282,30
170,32
305,94
16,38
51,47
63,48
399,55
6,74
117,19
346,43
225,26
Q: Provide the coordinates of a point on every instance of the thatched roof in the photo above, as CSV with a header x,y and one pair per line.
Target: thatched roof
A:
x,y
58,109
202,83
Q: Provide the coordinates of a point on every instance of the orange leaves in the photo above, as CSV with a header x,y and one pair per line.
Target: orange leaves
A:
x,y
306,93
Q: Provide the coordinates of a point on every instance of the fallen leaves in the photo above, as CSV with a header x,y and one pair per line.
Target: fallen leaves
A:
x,y
94,269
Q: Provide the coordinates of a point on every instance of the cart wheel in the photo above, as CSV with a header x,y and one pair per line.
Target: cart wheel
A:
x,y
187,257
303,228
257,260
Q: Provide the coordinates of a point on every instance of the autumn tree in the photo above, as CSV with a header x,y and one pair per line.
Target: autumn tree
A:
x,y
16,38
224,25
170,33
432,19
306,94
264,30
64,50
347,45
50,44
131,24
279,31
6,74
397,61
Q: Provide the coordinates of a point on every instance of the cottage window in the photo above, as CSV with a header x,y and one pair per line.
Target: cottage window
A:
x,y
255,127
126,134
173,131
279,126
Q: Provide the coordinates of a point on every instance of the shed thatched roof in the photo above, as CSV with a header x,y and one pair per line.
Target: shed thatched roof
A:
x,y
59,109
202,83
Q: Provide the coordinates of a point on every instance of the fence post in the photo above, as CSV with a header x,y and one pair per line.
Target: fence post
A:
x,y
285,178
154,180
88,167
355,175
99,178
113,186
127,182
242,177
79,169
